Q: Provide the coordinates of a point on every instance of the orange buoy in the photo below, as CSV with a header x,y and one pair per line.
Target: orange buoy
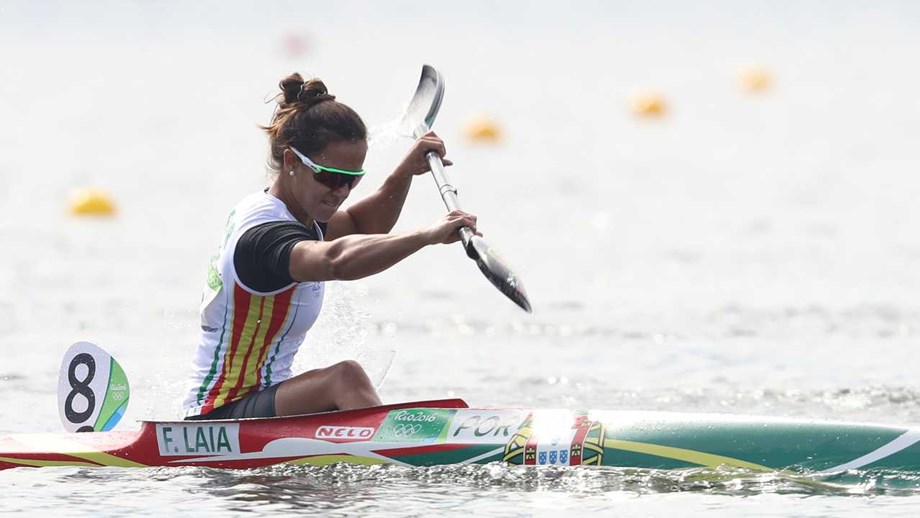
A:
x,y
754,79
482,129
648,104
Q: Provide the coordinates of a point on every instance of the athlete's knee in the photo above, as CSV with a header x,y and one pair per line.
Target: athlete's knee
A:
x,y
351,374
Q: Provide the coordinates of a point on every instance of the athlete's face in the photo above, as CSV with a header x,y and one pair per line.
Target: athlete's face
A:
x,y
318,200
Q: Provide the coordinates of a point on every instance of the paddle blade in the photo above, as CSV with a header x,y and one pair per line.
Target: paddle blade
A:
x,y
498,273
424,106
92,389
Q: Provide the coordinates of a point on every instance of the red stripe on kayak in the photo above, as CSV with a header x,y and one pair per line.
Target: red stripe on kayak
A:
x,y
419,450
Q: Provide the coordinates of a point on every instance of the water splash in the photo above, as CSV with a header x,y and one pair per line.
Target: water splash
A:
x,y
341,333
384,135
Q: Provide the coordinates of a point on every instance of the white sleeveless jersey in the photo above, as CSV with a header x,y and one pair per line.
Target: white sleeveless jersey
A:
x,y
248,339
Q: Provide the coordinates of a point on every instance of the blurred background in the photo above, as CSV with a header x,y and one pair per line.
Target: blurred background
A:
x,y
712,204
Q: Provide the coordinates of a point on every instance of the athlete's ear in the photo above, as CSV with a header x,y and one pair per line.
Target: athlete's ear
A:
x,y
288,160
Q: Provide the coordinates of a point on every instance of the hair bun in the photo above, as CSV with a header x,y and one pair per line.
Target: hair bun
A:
x,y
314,92
290,87
309,93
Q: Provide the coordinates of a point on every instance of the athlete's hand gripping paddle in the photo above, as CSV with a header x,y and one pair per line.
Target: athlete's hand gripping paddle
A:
x,y
92,389
418,119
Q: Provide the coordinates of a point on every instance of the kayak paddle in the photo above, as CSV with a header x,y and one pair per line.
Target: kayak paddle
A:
x,y
418,119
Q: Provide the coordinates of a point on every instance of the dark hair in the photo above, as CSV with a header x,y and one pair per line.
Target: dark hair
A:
x,y
309,118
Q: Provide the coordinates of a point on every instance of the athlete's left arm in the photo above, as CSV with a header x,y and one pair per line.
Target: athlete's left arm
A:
x,y
377,213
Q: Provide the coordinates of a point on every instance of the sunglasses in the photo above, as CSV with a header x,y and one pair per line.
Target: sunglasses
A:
x,y
330,176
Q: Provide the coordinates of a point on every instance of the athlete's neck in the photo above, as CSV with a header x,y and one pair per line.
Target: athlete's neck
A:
x,y
278,191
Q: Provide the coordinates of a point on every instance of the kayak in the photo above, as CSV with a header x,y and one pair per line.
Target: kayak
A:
x,y
449,432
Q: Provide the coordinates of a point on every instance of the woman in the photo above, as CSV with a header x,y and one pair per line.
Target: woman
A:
x,y
265,285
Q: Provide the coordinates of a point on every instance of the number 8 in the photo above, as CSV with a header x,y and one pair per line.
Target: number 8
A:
x,y
82,388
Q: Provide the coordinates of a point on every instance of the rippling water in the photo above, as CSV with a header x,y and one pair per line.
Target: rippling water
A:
x,y
341,490
743,254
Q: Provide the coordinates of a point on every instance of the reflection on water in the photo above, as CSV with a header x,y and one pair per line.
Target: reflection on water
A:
x,y
343,489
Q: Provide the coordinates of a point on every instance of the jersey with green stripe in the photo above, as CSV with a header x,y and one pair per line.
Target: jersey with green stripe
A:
x,y
248,339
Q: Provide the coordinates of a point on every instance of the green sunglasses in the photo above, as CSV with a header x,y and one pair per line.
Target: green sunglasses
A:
x,y
330,176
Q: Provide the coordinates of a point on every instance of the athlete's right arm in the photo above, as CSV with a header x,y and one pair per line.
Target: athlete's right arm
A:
x,y
361,255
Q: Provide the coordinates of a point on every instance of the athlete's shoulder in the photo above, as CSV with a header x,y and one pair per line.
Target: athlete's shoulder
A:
x,y
261,207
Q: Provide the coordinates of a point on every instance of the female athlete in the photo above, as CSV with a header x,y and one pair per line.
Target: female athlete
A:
x,y
265,285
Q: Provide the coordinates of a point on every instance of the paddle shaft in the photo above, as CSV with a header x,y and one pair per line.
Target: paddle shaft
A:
x,y
447,190
417,120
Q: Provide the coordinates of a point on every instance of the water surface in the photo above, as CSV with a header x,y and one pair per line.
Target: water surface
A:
x,y
744,254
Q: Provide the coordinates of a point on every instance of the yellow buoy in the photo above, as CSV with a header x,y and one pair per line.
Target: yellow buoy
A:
x,y
648,104
482,129
91,202
754,79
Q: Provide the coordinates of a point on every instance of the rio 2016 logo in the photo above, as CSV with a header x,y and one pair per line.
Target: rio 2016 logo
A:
x,y
414,424
418,416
